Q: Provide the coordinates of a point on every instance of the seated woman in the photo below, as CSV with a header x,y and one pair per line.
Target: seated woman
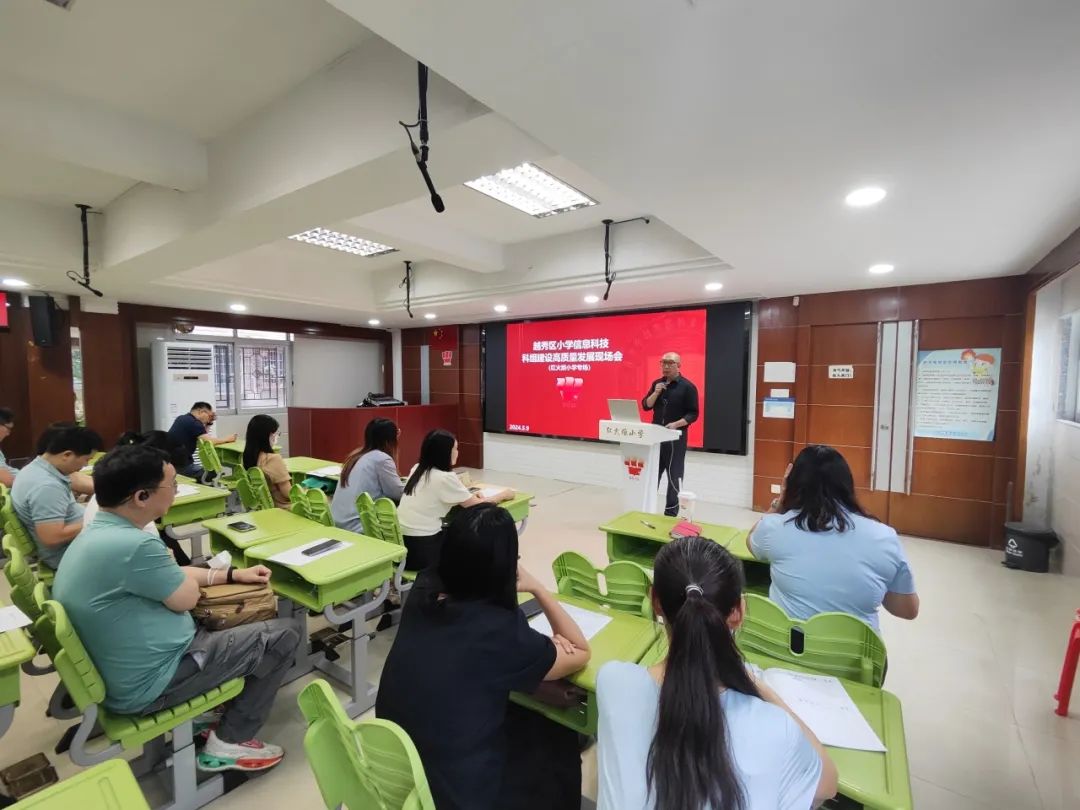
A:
x,y
699,730
825,552
371,469
431,491
262,435
462,647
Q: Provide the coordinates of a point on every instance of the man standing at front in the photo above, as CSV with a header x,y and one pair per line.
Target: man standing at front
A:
x,y
673,400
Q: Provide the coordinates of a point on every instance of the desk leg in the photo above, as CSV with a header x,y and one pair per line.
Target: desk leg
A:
x,y
522,525
304,661
7,714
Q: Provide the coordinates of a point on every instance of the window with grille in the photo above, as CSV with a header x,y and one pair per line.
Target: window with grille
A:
x,y
224,379
263,376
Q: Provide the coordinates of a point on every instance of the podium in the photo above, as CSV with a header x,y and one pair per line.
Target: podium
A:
x,y
639,444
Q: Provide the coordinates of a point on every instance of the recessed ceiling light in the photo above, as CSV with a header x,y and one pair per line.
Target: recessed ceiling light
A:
x,y
345,242
592,299
714,286
530,189
18,283
863,197
500,308
373,322
881,269
238,307
429,315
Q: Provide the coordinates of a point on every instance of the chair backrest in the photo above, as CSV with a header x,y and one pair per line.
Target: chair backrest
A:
x,y
626,584
259,489
370,764
22,579
319,507
73,663
208,457
365,508
247,496
832,643
14,527
386,514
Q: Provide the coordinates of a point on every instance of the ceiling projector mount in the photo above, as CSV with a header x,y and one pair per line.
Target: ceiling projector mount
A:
x,y
84,281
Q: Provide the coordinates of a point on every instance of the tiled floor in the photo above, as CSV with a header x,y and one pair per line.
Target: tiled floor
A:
x,y
976,672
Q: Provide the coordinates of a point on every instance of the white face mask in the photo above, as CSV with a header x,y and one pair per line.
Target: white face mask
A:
x,y
274,440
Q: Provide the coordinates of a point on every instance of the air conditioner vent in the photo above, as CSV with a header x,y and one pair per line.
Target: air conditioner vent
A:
x,y
193,358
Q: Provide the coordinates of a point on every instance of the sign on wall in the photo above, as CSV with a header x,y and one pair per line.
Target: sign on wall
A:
x,y
956,394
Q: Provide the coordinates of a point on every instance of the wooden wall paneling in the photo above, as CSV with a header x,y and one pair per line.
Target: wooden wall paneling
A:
x,y
953,519
762,493
300,432
772,458
849,344
14,382
851,307
110,393
859,390
138,313
841,425
50,390
951,475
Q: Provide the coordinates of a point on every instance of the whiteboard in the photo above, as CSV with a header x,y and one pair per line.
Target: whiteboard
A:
x,y
329,373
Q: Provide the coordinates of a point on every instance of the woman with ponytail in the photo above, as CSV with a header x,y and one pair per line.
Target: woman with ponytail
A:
x,y
825,552
698,731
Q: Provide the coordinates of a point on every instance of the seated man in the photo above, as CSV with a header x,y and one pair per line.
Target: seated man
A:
x,y
129,602
190,428
7,424
42,495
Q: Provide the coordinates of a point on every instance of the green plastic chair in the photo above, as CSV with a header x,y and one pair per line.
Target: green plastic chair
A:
x,y
246,495
87,689
22,579
390,532
318,506
260,490
626,584
20,538
361,764
365,508
211,463
833,643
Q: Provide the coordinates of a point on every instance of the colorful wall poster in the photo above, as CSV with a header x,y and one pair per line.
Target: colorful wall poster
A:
x,y
956,394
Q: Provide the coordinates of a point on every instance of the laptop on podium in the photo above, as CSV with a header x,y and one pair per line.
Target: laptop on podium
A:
x,y
624,410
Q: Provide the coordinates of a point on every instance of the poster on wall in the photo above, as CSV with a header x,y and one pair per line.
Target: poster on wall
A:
x,y
956,394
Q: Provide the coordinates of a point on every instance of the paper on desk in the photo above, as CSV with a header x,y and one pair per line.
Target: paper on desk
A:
x,y
486,492
589,621
295,557
332,469
11,618
183,490
821,702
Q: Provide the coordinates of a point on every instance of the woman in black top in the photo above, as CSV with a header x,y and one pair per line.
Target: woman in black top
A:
x,y
462,647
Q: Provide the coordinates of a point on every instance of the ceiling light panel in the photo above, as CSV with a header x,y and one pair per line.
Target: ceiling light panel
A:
x,y
530,189
345,242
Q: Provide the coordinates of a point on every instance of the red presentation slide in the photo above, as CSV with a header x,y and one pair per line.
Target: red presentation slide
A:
x,y
560,374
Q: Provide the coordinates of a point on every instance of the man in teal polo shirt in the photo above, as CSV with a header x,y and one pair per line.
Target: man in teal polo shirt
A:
x,y
129,602
42,495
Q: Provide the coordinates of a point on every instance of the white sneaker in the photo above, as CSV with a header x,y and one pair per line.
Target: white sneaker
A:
x,y
252,755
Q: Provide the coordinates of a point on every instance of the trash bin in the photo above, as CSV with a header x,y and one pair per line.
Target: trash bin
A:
x,y
1027,547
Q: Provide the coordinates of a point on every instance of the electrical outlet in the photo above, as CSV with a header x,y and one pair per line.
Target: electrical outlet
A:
x,y
775,489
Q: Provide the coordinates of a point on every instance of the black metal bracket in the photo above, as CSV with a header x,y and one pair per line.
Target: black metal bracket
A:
x,y
609,275
84,281
407,284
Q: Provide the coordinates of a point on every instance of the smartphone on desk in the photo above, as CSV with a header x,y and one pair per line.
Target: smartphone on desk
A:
x,y
530,607
241,526
322,548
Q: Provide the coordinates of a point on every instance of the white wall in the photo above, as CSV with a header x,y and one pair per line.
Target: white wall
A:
x,y
329,373
1052,477
713,477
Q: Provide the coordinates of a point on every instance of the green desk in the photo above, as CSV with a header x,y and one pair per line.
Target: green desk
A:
x,y
625,638
347,586
15,650
518,507
629,538
108,786
300,466
270,524
876,780
231,454
206,502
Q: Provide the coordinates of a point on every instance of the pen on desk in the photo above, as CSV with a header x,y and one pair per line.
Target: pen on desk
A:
x,y
646,523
